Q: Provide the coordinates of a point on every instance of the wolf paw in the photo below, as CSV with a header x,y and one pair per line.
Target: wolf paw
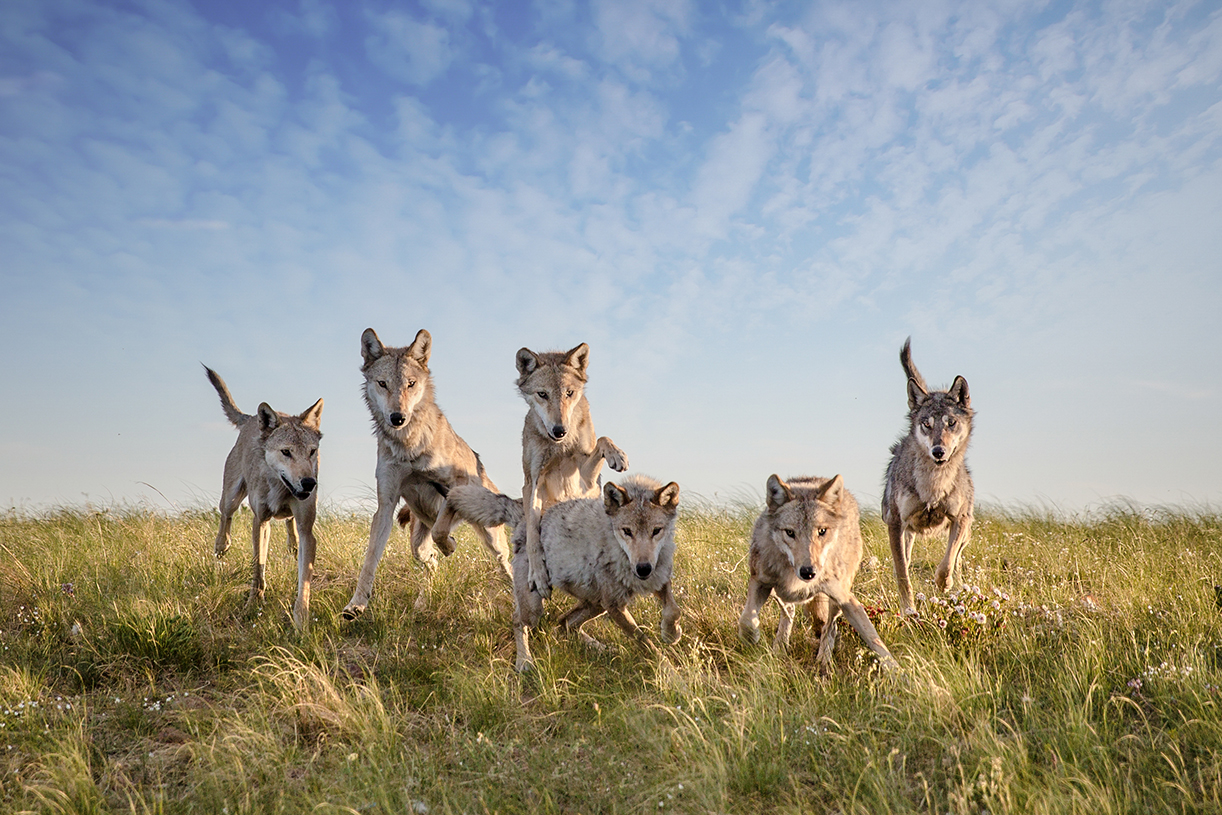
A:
x,y
942,579
672,634
748,634
537,578
351,613
614,456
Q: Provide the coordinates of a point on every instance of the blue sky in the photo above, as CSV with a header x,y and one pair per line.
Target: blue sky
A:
x,y
743,208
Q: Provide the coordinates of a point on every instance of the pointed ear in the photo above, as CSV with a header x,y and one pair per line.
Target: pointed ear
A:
x,y
916,394
527,361
778,492
421,347
578,358
312,417
371,346
615,497
269,420
667,497
832,491
958,392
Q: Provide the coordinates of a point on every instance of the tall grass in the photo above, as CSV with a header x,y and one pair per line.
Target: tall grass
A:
x,y
1078,673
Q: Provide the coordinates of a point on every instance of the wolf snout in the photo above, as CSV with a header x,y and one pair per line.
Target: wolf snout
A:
x,y
397,419
559,432
807,572
938,452
643,570
308,485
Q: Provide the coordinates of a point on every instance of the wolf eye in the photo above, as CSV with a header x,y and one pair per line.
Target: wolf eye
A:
x,y
657,530
950,423
411,383
382,384
926,424
542,395
568,392
822,531
627,532
286,452
313,452
791,533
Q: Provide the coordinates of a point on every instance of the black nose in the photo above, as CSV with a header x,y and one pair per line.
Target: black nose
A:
x,y
807,573
643,570
396,419
308,485
558,432
938,452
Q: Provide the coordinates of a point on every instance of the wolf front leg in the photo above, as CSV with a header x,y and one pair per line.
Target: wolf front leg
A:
x,y
749,623
307,545
379,534
538,579
856,614
901,548
948,569
671,630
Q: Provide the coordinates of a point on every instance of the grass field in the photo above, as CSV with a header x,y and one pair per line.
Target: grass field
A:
x,y
1080,672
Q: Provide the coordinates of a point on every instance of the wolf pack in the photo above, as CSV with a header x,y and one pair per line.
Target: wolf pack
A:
x,y
604,544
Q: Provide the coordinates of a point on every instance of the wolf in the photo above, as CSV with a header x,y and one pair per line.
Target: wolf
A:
x,y
561,456
928,486
805,549
273,464
420,459
603,551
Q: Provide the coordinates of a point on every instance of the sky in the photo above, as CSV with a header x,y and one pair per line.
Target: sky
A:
x,y
743,207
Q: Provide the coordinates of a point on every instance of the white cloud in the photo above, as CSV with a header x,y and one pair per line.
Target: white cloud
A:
x,y
407,49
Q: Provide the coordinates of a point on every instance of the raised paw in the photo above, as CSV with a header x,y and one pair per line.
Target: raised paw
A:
x,y
614,456
537,578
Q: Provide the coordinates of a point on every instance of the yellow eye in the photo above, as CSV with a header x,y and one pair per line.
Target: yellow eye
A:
x,y
286,452
791,533
950,423
822,531
411,383
382,384
542,395
568,392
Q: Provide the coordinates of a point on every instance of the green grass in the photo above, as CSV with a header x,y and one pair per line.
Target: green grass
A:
x,y
1082,675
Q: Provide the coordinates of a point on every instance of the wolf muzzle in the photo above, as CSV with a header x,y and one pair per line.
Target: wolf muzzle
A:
x,y
807,572
643,570
558,432
307,487
397,419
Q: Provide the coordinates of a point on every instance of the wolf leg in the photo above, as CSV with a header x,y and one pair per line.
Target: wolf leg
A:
x,y
948,569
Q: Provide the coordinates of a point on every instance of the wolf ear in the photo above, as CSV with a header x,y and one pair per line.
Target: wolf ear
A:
x,y
958,392
371,346
312,417
778,492
527,361
832,491
667,497
916,394
269,420
421,347
615,497
578,358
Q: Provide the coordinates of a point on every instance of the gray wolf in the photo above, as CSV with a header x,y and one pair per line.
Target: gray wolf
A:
x,y
928,486
273,464
806,548
603,551
420,459
561,456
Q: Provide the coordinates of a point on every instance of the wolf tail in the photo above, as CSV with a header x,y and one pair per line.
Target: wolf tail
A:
x,y
235,416
909,367
478,505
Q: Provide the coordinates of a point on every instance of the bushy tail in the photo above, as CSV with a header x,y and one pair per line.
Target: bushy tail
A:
x,y
235,416
480,506
909,368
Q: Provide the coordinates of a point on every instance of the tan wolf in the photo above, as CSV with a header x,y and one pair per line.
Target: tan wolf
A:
x,y
273,464
805,549
561,456
928,486
420,459
603,551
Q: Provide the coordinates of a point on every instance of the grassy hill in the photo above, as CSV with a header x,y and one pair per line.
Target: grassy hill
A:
x,y
1078,671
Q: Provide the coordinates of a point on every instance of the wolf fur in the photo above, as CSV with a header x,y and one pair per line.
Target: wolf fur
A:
x,y
928,486
420,459
604,552
561,456
805,549
274,465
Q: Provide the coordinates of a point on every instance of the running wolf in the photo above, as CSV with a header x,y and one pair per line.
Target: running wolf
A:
x,y
602,551
928,486
274,464
561,456
420,459
805,549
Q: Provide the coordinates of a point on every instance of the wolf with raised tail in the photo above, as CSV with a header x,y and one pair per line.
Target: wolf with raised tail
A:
x,y
274,465
806,549
420,459
928,486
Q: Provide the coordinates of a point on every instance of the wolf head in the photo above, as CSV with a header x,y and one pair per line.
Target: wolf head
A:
x,y
290,446
642,515
941,420
397,380
805,518
553,385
